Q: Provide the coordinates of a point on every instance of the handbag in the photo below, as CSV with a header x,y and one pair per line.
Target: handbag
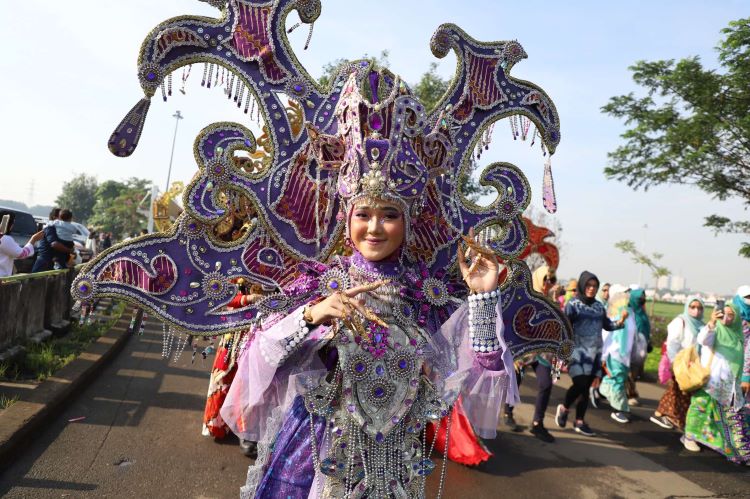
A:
x,y
665,369
688,370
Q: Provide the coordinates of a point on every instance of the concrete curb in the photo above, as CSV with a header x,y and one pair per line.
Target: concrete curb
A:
x,y
20,421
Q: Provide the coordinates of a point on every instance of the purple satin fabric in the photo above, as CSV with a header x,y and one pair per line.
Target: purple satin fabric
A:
x,y
291,471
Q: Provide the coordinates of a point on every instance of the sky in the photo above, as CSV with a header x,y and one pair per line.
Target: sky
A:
x,y
69,76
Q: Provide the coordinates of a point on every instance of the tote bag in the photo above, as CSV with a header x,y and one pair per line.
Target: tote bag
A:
x,y
689,372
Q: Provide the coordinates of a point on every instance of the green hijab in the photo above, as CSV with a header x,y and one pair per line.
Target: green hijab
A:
x,y
730,341
637,296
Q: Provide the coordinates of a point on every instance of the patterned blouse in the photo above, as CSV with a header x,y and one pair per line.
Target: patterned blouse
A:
x,y
588,322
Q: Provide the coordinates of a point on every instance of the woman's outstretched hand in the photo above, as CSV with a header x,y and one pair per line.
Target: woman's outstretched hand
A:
x,y
482,272
342,304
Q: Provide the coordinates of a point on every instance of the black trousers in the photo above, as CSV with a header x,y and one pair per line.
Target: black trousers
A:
x,y
544,389
579,391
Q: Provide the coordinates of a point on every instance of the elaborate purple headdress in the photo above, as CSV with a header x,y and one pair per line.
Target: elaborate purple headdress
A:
x,y
366,134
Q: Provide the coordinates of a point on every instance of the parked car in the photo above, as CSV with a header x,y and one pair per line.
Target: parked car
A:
x,y
80,236
24,227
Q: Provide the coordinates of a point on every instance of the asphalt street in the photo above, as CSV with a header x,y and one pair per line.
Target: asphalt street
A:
x,y
140,437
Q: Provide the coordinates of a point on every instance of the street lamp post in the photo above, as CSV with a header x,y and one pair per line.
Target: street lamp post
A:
x,y
177,116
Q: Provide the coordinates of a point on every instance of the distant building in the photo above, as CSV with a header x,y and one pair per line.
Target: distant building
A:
x,y
676,283
671,282
662,282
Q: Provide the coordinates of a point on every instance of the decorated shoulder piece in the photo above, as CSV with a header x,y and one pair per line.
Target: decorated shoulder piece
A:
x,y
365,134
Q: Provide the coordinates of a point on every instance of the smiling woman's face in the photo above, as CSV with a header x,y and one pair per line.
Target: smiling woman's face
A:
x,y
376,229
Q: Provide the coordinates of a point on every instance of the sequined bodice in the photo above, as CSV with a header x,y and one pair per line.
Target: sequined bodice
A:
x,y
379,401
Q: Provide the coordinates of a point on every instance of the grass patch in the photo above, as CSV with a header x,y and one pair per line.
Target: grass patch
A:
x,y
43,360
6,401
663,313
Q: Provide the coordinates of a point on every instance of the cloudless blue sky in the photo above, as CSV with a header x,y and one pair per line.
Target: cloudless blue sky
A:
x,y
69,76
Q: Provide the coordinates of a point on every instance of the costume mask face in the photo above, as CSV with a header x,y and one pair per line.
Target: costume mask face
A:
x,y
376,229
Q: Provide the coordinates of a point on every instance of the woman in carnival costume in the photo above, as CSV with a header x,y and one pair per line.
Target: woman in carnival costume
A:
x,y
349,358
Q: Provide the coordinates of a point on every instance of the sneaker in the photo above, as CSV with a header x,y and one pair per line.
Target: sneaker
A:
x,y
249,448
690,444
561,416
620,417
594,397
662,421
583,429
540,432
634,402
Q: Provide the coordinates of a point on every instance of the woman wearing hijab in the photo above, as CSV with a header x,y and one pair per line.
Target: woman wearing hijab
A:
x,y
742,302
642,344
543,280
616,352
588,317
603,297
717,417
682,333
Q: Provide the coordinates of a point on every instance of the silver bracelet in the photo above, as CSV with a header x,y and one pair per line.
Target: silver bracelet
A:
x,y
483,321
274,353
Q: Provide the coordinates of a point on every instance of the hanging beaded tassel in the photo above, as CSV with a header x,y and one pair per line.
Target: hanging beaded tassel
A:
x,y
548,187
205,72
525,124
169,85
143,324
185,75
163,92
182,342
247,101
309,36
230,86
210,75
82,317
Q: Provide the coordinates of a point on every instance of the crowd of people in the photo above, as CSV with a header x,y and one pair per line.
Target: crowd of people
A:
x,y
612,335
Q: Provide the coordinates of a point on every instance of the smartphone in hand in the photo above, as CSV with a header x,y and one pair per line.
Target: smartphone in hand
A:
x,y
720,304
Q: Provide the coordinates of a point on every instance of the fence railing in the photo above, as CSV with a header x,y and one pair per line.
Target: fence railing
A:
x,y
31,303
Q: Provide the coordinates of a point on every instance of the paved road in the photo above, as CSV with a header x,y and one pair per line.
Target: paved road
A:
x,y
141,438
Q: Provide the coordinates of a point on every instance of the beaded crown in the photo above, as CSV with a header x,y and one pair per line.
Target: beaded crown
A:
x,y
365,134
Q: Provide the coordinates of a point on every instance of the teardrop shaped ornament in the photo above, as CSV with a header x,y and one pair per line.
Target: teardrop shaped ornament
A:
x,y
548,188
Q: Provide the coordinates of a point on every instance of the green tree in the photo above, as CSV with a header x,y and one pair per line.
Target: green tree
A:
x,y
117,206
692,127
79,195
430,87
